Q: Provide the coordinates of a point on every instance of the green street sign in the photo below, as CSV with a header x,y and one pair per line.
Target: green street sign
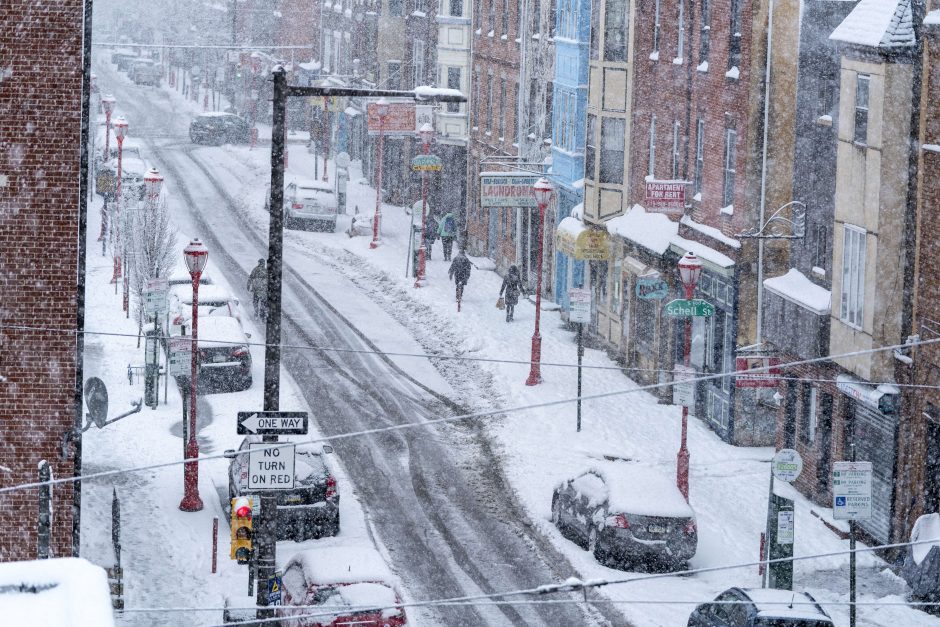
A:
x,y
427,163
696,307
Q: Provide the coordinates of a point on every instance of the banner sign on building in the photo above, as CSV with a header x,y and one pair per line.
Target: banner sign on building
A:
x,y
588,245
400,121
768,377
666,197
507,189
651,288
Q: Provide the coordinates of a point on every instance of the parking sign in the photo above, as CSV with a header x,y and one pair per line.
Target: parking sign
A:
x,y
851,490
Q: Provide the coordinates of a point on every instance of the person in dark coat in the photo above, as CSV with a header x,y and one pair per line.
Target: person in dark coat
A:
x,y
460,272
512,286
258,287
430,234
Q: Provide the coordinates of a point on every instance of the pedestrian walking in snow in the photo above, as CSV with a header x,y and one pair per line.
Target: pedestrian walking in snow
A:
x,y
460,273
430,234
448,232
512,286
258,287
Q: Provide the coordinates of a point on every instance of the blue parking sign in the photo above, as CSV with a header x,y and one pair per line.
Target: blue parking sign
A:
x,y
840,501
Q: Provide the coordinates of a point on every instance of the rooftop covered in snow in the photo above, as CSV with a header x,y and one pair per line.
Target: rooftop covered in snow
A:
x,y
878,24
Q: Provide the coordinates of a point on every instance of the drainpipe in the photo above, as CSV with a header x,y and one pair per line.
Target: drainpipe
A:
x,y
763,176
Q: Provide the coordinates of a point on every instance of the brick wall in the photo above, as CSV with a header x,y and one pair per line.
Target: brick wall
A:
x,y
40,124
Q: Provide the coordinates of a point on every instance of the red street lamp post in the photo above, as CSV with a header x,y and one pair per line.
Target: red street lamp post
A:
x,y
153,182
120,132
690,269
107,103
196,256
381,109
542,190
427,134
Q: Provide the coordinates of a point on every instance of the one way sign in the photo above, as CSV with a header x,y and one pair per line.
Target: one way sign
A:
x,y
272,422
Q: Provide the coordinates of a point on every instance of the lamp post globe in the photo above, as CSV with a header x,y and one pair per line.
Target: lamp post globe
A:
x,y
690,269
153,181
120,128
195,255
427,134
381,107
542,190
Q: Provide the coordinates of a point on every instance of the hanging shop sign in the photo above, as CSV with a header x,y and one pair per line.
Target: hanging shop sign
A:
x,y
499,189
666,197
651,288
586,245
400,121
427,163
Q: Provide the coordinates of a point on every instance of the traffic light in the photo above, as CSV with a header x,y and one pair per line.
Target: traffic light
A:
x,y
241,529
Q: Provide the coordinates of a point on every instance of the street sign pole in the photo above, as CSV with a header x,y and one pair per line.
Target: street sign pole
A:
x,y
852,559
579,312
580,355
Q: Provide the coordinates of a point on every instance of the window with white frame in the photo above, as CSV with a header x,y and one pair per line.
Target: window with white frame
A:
x,y
808,423
652,147
456,8
570,122
417,51
615,30
862,85
699,155
731,140
853,275
612,146
704,32
734,35
502,108
489,102
675,150
590,146
680,45
505,20
656,28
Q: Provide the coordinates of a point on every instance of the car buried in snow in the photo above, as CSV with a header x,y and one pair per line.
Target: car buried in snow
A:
x,y
311,508
760,607
224,360
218,127
627,515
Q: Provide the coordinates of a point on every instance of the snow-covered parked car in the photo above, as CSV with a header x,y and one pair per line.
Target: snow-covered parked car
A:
x,y
340,577
214,300
224,360
760,607
627,515
311,508
307,202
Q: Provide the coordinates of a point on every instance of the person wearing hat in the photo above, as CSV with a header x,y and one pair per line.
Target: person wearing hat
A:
x,y
258,287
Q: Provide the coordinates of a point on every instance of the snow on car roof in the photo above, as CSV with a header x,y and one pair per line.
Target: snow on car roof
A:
x,y
308,183
181,276
637,489
207,294
60,591
216,114
342,564
220,331
771,602
364,594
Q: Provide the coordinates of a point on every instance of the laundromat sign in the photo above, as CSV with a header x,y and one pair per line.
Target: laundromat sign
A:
x,y
507,190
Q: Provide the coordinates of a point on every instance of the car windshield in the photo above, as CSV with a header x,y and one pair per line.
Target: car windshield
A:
x,y
790,622
321,196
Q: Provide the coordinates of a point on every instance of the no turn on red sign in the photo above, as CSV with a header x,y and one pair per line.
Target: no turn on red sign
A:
x,y
270,466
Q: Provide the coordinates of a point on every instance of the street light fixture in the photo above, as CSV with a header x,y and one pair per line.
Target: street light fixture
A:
x,y
107,103
542,190
690,269
153,181
381,109
196,256
120,132
427,134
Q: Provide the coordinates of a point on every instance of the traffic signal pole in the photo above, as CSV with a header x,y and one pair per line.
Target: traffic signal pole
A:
x,y
265,530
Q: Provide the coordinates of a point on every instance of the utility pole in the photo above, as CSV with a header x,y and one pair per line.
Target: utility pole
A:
x,y
265,557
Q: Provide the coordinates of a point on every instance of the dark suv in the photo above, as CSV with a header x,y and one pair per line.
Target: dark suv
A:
x,y
760,607
311,508
216,127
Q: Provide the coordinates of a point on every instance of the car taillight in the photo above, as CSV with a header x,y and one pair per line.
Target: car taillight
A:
x,y
330,487
690,528
240,352
617,521
296,205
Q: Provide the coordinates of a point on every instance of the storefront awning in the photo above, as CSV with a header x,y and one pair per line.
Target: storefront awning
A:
x,y
575,240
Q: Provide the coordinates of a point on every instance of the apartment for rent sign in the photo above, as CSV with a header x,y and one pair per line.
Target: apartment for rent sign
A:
x,y
665,197
507,190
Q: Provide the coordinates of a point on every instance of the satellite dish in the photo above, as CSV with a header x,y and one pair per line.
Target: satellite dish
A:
x,y
96,398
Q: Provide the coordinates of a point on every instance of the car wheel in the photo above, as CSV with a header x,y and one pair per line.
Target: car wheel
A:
x,y
556,511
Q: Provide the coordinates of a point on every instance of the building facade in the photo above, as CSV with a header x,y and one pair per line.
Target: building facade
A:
x,y
41,270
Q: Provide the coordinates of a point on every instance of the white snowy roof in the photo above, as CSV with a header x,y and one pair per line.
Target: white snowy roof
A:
x,y
571,226
426,91
795,287
878,23
702,251
342,564
62,591
653,231
933,17
711,231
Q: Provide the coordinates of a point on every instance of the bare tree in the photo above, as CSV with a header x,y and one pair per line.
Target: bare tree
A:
x,y
151,246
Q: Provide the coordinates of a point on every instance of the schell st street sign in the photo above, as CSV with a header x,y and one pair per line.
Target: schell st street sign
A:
x,y
696,307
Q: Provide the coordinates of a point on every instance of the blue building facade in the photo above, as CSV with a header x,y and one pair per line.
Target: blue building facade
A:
x,y
569,115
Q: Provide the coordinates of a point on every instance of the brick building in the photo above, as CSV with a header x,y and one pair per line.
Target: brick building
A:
x,y
41,272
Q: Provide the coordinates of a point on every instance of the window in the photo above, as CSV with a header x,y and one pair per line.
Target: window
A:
x,y
615,31
327,51
590,147
675,150
506,17
417,51
825,92
394,75
549,96
396,8
656,27
492,16
862,84
652,164
821,252
699,154
731,138
644,325
535,15
734,35
456,8
489,102
808,424
616,285
595,34
475,105
612,139
680,45
502,108
453,82
704,32
570,122
853,275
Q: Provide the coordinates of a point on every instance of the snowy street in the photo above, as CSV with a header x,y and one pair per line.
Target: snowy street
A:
x,y
459,508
